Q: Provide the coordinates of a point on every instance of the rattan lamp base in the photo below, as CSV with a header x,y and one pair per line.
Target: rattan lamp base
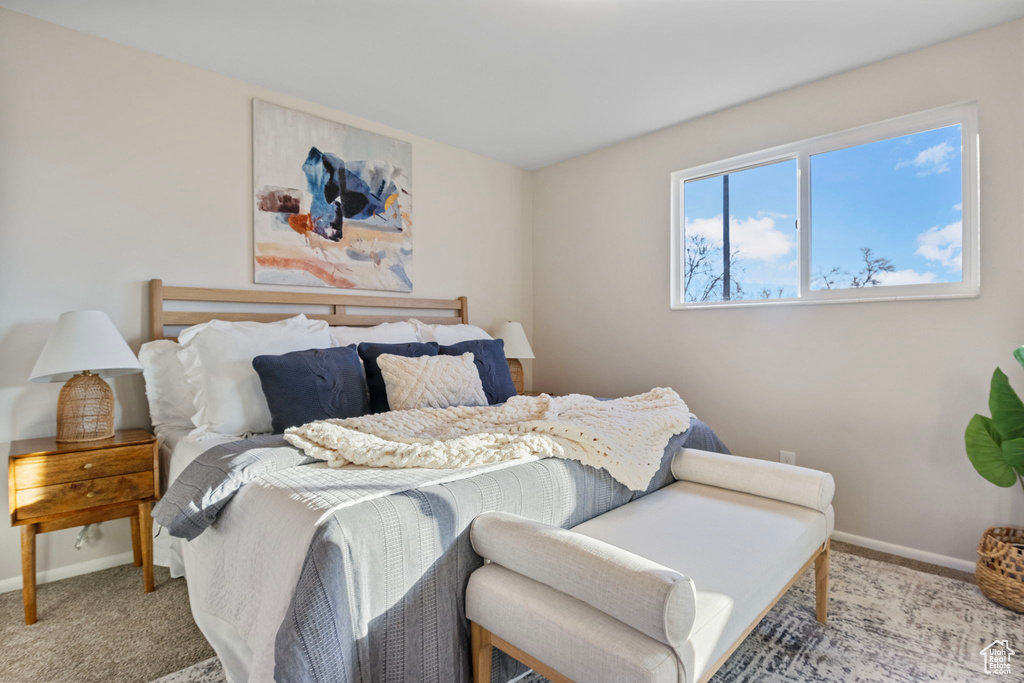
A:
x,y
85,409
515,367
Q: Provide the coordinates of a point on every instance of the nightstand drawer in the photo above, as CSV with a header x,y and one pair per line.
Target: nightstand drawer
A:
x,y
81,495
46,470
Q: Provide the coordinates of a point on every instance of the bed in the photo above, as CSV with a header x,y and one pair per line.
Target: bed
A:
x,y
316,574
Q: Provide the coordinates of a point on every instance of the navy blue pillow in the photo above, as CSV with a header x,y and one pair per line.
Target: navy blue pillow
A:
x,y
370,351
489,357
318,384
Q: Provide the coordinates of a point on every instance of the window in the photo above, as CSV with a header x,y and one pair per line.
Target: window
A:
x,y
883,212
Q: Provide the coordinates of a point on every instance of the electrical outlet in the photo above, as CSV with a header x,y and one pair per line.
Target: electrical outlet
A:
x,y
787,457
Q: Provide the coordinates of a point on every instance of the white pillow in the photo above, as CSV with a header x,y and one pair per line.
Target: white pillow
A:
x,y
385,333
170,395
431,381
217,357
446,335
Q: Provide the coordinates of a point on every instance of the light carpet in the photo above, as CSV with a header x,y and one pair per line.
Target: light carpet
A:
x,y
887,623
100,628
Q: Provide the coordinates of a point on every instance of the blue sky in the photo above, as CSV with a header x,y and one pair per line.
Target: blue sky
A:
x,y
900,197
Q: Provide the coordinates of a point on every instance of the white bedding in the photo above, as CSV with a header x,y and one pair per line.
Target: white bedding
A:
x,y
177,450
242,571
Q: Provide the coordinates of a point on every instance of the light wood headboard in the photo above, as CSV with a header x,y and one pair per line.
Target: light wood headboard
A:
x,y
339,303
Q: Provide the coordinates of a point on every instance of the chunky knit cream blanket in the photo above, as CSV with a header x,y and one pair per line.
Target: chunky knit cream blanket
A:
x,y
625,436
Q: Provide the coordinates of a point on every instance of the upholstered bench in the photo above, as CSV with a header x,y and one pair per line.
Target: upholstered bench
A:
x,y
661,589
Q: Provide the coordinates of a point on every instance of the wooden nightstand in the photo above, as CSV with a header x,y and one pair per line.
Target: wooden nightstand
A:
x,y
55,485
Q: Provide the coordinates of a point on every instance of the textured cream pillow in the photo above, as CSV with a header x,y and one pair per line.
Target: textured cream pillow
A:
x,y
431,381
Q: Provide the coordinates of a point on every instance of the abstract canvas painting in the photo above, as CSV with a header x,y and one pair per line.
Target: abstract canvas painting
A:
x,y
333,203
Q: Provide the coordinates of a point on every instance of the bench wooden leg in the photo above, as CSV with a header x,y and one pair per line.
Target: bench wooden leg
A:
x,y
821,582
480,640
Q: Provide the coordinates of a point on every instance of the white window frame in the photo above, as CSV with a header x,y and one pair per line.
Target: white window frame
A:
x,y
964,114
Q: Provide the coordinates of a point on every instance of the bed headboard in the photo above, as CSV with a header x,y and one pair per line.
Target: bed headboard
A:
x,y
338,304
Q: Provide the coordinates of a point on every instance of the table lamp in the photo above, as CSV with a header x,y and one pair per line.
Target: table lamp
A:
x,y
516,346
84,348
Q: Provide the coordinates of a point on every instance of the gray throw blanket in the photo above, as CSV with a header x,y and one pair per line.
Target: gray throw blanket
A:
x,y
381,593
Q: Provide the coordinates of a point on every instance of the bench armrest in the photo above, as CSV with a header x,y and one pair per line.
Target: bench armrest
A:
x,y
787,483
653,599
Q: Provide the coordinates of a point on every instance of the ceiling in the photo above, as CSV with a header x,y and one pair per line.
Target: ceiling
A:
x,y
530,82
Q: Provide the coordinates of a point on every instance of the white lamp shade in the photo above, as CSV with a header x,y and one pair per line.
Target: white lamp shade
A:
x,y
516,343
84,340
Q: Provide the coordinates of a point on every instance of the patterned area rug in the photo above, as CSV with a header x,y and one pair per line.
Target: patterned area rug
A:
x,y
887,624
209,671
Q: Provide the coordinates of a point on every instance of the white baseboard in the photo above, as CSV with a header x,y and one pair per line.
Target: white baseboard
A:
x,y
67,571
904,551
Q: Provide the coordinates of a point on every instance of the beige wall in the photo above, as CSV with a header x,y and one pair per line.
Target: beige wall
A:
x,y
117,166
876,393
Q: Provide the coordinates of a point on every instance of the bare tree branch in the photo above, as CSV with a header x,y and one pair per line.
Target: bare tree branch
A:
x,y
873,266
828,278
704,276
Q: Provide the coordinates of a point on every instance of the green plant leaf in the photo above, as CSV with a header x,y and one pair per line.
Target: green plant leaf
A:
x,y
983,449
1013,453
1007,408
1018,353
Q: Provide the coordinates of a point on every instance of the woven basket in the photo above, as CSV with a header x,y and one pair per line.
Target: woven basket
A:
x,y
1000,571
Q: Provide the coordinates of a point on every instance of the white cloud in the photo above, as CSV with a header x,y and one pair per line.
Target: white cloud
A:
x,y
756,239
905,277
932,160
958,207
943,245
771,214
